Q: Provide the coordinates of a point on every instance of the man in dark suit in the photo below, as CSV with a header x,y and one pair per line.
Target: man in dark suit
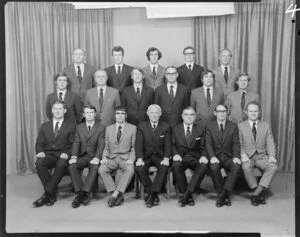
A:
x,y
119,73
223,148
153,148
188,151
86,152
80,73
71,99
172,97
190,72
53,145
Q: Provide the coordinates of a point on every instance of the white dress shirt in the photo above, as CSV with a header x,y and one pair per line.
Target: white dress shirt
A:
x,y
211,91
174,88
81,65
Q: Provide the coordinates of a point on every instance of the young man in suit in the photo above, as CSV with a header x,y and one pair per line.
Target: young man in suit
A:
x,y
226,74
119,73
258,149
154,73
53,145
223,148
80,73
205,99
104,98
86,152
172,97
188,151
118,154
71,99
237,100
153,148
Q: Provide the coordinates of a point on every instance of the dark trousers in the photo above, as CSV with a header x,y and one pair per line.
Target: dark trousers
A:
x,y
75,173
179,168
142,172
232,171
50,182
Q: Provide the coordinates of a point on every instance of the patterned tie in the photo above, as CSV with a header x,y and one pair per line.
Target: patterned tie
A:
x,y
221,130
56,129
254,131
172,94
226,74
119,133
79,74
119,72
154,72
154,128
60,96
190,67
208,97
243,101
138,94
188,134
101,99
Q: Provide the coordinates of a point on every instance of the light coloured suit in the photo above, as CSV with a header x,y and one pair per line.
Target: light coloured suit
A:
x,y
258,151
117,153
233,102
111,100
154,81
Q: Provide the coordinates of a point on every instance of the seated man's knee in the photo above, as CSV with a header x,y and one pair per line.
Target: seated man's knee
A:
x,y
61,163
39,162
272,167
102,169
214,167
246,166
176,165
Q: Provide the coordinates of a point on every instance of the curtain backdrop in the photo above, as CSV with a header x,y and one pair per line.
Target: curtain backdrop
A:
x,y
40,38
261,37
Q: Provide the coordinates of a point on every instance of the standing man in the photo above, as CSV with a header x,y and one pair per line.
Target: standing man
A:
x,y
237,100
86,152
154,73
153,148
119,73
188,151
119,154
223,148
205,99
226,74
80,73
104,98
53,145
72,100
258,149
171,97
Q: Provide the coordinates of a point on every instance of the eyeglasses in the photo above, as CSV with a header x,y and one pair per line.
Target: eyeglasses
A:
x,y
221,111
120,113
171,73
189,53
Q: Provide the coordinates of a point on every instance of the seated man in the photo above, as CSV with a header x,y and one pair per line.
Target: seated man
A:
x,y
223,148
258,149
188,150
118,153
52,147
86,152
153,148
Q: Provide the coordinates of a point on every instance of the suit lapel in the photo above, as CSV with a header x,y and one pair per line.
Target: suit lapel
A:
x,y
193,135
159,71
166,92
144,90
60,129
124,130
181,131
178,92
248,127
67,97
133,94
106,97
95,98
202,96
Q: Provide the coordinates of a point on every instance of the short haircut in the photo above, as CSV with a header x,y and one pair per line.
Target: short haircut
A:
x,y
152,106
120,108
79,49
188,47
100,70
117,49
89,107
62,74
221,105
205,72
171,67
225,50
60,102
253,103
188,108
152,49
138,69
243,74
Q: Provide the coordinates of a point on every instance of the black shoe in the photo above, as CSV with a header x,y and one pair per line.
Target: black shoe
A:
x,y
227,200
77,201
181,201
52,200
86,199
262,197
43,200
198,190
120,200
150,201
188,198
254,200
112,201
146,196
155,199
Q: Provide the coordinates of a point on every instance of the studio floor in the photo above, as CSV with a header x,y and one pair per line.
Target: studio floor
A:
x,y
277,218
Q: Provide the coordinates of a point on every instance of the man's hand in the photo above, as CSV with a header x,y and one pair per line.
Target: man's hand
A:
x,y
236,161
272,160
95,161
41,155
214,160
203,160
165,161
245,158
129,162
73,160
64,156
104,161
177,158
139,162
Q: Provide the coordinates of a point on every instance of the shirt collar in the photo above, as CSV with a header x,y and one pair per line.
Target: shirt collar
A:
x,y
90,124
251,123
117,66
185,127
192,64
138,86
60,121
174,85
153,65
223,68
62,91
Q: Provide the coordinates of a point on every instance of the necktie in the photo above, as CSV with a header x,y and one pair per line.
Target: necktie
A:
x,y
190,67
188,134
101,99
56,129
243,101
79,75
172,93
60,96
119,133
154,128
222,130
89,127
154,72
208,97
254,131
138,93
119,72
226,74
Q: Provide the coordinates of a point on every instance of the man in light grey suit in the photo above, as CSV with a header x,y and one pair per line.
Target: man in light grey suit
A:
x,y
258,149
237,100
154,73
119,154
226,74
104,98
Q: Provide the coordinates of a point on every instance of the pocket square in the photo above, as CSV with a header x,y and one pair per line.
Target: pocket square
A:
x,y
162,136
197,138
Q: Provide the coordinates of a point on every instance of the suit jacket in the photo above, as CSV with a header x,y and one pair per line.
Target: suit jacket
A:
x,y
171,111
125,147
49,144
73,104
225,148
113,80
136,109
111,100
89,143
149,142
87,79
221,83
205,113
233,102
192,79
154,81
194,147
264,144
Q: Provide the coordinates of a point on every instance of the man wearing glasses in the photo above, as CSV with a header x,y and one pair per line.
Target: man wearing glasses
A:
x,y
223,148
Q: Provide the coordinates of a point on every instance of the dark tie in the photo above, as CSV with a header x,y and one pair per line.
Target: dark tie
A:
x,y
172,93
101,99
208,97
226,74
243,101
188,134
79,74
154,72
60,96
56,129
254,131
138,94
119,133
89,127
154,128
190,67
221,130
119,72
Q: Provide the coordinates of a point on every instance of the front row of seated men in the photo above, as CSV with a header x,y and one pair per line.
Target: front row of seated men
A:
x,y
127,148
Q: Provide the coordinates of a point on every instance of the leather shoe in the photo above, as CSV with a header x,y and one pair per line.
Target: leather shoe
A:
x,y
188,198
41,201
112,201
181,201
120,200
146,196
86,199
254,200
150,201
262,198
227,200
155,199
77,201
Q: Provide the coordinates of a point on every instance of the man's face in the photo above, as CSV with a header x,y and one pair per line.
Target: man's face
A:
x,y
154,57
89,114
225,57
171,75
252,112
188,116
208,79
243,82
118,57
137,76
189,55
120,116
78,56
221,113
58,111
61,82
154,114
100,78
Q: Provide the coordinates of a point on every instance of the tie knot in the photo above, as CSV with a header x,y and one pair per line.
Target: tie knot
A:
x,y
119,68
137,89
188,128
120,128
226,68
208,90
89,127
190,67
254,125
172,87
78,67
154,126
101,89
221,125
57,123
60,93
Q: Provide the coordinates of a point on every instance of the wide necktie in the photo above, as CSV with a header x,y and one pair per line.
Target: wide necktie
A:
x,y
154,128
154,72
208,97
119,72
190,67
226,74
221,130
56,129
79,74
172,93
119,133
60,96
138,94
101,99
254,131
243,101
